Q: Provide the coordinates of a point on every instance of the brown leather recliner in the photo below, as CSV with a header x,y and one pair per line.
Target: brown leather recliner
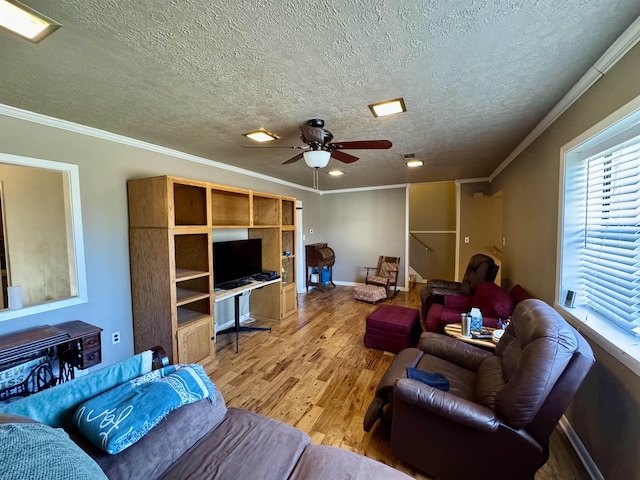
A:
x,y
481,268
501,408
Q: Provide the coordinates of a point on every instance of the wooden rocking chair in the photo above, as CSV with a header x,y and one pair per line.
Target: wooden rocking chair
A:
x,y
385,274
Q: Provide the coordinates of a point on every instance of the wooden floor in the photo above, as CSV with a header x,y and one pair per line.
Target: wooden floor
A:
x,y
314,372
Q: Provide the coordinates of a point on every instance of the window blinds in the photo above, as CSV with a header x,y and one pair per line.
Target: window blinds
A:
x,y
609,257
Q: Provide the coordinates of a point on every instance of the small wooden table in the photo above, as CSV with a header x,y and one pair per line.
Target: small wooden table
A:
x,y
455,330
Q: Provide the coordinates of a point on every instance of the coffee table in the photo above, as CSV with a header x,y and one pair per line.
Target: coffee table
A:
x,y
455,330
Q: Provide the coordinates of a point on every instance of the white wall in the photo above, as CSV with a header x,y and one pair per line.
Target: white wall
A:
x,y
361,226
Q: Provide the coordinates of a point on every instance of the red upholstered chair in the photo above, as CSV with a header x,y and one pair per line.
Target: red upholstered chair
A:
x,y
494,304
481,268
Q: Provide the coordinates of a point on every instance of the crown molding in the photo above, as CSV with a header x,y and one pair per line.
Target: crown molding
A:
x,y
365,189
614,53
41,119
472,180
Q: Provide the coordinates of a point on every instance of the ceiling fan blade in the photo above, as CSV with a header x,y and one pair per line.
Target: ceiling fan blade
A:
x,y
362,144
294,159
301,147
313,134
343,157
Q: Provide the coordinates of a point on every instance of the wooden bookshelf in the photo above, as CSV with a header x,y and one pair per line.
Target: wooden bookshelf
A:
x,y
170,228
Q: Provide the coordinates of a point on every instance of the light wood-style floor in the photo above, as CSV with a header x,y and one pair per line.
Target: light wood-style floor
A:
x,y
314,372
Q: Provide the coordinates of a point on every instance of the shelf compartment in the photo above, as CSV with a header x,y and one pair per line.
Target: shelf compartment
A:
x,y
230,208
193,311
266,211
192,252
288,242
288,212
193,289
183,274
289,271
189,204
184,296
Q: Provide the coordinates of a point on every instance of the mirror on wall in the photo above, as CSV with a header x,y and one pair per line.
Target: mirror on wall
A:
x,y
41,249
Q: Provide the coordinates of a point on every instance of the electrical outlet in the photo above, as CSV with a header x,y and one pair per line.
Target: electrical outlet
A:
x,y
466,239
115,338
504,241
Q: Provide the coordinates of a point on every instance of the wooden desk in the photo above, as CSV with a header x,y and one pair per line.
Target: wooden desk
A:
x,y
236,293
455,330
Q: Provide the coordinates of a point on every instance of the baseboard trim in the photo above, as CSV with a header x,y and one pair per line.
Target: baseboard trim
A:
x,y
355,284
588,463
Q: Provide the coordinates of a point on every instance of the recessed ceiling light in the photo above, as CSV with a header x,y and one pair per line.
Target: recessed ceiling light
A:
x,y
261,135
388,107
25,21
336,173
415,163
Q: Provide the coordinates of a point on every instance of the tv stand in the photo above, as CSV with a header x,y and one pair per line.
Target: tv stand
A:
x,y
236,293
233,284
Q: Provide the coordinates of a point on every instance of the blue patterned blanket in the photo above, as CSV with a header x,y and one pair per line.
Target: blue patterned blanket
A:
x,y
121,416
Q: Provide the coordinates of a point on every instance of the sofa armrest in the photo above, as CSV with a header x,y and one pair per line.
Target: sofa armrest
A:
x,y
407,358
445,405
452,350
160,358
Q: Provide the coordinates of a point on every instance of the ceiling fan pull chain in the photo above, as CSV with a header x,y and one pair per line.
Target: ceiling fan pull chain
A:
x,y
315,178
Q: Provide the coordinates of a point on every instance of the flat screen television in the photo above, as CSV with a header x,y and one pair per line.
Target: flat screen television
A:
x,y
235,261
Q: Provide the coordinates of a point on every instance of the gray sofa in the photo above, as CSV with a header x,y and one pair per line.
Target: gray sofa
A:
x,y
201,440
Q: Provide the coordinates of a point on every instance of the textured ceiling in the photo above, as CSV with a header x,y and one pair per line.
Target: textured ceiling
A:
x,y
193,75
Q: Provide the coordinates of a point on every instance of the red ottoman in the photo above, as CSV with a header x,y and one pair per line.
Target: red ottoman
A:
x,y
392,328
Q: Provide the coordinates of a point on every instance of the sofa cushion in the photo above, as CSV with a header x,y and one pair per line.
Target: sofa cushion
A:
x,y
34,450
489,381
163,445
244,445
461,380
325,462
492,301
116,419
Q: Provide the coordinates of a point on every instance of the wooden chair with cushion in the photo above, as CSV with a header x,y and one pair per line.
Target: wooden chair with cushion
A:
x,y
385,274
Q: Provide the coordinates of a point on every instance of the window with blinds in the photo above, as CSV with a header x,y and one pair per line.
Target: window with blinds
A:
x,y
605,199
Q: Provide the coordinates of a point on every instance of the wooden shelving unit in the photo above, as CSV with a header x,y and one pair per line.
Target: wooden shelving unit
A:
x,y
289,296
170,227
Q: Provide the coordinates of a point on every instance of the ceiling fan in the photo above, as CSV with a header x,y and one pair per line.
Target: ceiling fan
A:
x,y
319,147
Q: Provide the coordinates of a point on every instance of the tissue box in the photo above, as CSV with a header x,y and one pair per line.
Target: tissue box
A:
x,y
476,324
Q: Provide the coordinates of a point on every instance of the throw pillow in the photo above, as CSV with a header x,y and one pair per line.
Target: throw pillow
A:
x,y
35,450
492,301
121,416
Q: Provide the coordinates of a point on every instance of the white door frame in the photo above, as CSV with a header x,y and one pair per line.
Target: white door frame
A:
x,y
301,271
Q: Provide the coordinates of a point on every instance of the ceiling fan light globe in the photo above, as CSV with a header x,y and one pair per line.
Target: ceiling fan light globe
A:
x,y
317,158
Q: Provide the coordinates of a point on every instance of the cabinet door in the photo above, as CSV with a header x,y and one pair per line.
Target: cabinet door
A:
x,y
289,300
194,342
